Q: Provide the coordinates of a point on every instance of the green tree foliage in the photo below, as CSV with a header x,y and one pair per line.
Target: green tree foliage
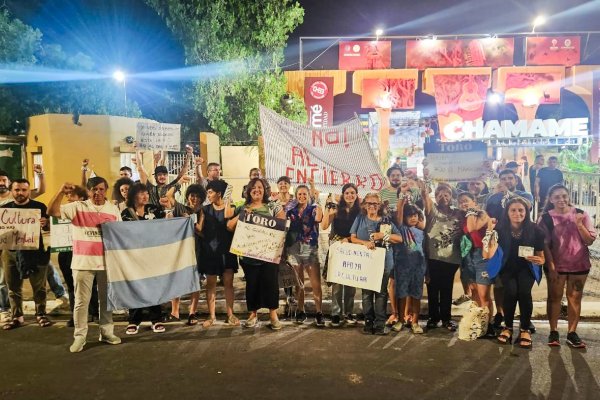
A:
x,y
240,46
22,46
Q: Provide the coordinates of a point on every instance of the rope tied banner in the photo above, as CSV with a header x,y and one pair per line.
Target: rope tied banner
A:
x,y
331,156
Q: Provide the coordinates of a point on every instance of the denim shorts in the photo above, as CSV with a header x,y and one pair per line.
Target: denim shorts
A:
x,y
303,254
474,268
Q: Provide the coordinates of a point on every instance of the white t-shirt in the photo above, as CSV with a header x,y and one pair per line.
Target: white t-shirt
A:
x,y
86,217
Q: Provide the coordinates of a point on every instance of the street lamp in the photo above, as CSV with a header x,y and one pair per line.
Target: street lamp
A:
x,y
378,32
120,76
539,20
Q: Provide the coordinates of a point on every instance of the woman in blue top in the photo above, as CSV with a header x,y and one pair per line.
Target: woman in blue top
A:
x,y
303,253
372,230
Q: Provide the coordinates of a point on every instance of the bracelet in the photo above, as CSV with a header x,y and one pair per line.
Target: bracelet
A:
x,y
471,212
84,169
372,237
39,173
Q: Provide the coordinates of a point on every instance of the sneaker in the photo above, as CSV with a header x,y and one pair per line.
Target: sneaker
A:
x,y
5,317
416,328
64,301
110,339
319,319
251,322
368,328
335,321
77,345
554,339
462,299
300,317
574,341
276,325
380,331
351,319
397,327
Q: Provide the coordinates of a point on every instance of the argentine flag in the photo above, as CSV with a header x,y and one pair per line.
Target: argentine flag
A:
x,y
149,262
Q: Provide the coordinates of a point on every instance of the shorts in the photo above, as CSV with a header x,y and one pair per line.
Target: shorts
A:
x,y
566,273
217,264
303,254
474,269
409,275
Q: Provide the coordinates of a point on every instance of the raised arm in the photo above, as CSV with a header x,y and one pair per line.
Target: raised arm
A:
x,y
55,202
189,152
427,202
37,169
138,162
198,161
84,170
476,219
328,216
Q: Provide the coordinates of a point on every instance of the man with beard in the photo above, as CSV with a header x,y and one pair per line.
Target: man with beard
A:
x,y
389,194
31,264
495,204
213,173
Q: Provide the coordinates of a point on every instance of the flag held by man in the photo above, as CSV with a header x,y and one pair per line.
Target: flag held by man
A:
x,y
149,262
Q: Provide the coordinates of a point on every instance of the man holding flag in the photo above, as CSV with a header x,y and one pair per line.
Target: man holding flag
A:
x,y
88,255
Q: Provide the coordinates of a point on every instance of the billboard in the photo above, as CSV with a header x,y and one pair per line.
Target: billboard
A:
x,y
358,55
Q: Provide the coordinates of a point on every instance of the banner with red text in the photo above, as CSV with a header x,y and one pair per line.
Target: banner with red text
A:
x,y
365,55
555,50
318,100
331,156
433,53
388,93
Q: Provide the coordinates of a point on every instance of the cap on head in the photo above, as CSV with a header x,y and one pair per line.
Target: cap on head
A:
x,y
161,169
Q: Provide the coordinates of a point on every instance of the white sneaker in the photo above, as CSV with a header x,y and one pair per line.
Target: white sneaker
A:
x,y
110,339
77,345
5,317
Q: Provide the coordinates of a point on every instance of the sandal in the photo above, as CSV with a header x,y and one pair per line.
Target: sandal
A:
x,y
43,321
208,323
14,324
525,343
392,320
171,318
192,319
158,328
132,329
232,320
450,325
505,337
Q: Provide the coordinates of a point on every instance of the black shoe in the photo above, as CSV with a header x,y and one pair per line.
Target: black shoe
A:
x,y
335,321
432,324
498,318
351,319
70,323
319,320
573,340
554,339
490,333
368,328
380,331
531,327
300,317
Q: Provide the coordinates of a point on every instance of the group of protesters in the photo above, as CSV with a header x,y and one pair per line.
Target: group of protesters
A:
x,y
427,233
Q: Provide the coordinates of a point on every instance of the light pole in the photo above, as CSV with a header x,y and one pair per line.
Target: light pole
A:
x,y
120,76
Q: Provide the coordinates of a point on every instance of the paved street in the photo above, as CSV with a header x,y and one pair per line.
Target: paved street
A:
x,y
296,362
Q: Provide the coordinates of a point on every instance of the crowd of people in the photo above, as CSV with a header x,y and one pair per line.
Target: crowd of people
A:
x,y
428,234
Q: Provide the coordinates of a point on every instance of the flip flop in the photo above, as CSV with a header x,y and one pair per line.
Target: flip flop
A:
x,y
14,324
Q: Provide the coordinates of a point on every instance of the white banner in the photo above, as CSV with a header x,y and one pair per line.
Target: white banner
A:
x,y
157,136
61,235
331,156
260,237
355,265
456,161
19,229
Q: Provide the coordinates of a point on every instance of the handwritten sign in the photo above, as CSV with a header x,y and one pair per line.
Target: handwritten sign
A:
x,y
19,229
288,277
355,265
156,136
455,161
260,237
61,235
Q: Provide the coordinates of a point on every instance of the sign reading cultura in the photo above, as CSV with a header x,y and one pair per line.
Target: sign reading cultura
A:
x,y
547,128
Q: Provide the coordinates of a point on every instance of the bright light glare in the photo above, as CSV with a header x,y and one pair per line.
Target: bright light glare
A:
x,y
119,75
494,98
539,20
378,32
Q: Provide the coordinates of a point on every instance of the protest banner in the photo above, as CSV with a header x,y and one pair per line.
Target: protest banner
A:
x,y
331,156
157,136
61,235
19,229
456,161
355,265
260,237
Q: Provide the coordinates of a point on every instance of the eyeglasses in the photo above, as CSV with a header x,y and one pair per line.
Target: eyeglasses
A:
x,y
369,204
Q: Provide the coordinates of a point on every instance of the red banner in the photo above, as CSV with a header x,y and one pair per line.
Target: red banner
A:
x,y
459,98
533,88
318,99
556,50
388,93
488,52
365,55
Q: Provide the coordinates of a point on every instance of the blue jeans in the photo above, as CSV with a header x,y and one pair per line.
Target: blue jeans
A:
x,y
375,303
55,282
342,299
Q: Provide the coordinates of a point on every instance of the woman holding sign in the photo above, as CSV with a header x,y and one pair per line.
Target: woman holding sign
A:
x,y
372,230
262,285
522,244
569,231
341,217
303,251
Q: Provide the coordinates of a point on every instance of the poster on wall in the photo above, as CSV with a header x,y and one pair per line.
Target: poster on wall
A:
x,y
376,54
533,88
11,159
554,50
433,53
318,100
388,93
459,98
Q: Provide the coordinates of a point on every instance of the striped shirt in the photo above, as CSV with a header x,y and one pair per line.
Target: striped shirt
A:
x,y
86,217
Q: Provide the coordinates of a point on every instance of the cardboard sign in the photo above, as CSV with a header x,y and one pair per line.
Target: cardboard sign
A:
x,y
19,229
61,235
156,136
455,162
288,277
355,265
259,237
